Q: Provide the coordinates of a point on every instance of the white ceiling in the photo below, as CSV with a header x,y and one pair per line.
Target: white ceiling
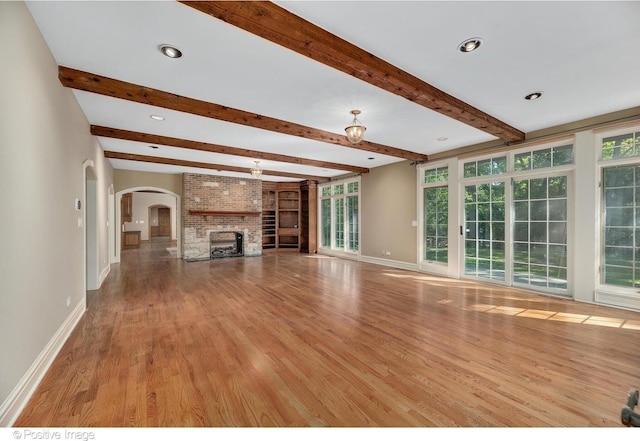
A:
x,y
582,55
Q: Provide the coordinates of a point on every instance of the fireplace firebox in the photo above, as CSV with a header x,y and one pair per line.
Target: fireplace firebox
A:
x,y
226,244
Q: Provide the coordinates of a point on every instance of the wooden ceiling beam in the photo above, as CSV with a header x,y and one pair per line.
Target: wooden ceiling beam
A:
x,y
276,24
206,165
148,138
89,82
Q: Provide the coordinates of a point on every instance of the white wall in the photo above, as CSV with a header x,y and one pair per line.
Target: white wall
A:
x,y
44,141
586,220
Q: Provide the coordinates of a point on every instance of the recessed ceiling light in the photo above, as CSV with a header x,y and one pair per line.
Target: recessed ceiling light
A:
x,y
470,45
170,51
157,117
371,158
442,138
533,96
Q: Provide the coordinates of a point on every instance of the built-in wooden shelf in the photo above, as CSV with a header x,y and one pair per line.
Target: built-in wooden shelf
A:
x,y
224,213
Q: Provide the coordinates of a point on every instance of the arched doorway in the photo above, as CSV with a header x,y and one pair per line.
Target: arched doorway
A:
x,y
90,215
175,218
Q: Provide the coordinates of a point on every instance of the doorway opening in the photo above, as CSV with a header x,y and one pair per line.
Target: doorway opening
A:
x,y
92,278
152,214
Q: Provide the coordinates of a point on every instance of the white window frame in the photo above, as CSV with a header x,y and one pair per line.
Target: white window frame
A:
x,y
626,297
450,268
508,177
333,250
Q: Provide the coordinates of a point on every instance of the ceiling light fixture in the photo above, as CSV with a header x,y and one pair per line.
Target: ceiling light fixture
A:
x,y
355,131
533,96
170,51
157,117
470,45
257,171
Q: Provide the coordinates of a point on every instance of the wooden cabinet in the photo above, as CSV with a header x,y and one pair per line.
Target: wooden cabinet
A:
x,y
288,215
126,207
268,215
309,217
131,239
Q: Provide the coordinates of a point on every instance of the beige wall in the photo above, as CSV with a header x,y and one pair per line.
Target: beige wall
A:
x,y
387,211
44,141
141,221
130,179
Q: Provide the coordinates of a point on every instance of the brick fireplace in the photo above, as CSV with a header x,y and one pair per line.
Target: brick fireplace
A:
x,y
217,204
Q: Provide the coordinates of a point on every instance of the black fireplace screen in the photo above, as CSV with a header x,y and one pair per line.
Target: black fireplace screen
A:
x,y
226,244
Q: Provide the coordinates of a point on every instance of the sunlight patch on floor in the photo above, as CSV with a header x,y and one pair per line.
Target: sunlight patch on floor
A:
x,y
610,322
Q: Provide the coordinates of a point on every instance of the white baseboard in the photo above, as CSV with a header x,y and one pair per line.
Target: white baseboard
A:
x,y
619,299
18,398
104,275
391,263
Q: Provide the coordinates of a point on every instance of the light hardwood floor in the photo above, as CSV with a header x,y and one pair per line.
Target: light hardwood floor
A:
x,y
295,340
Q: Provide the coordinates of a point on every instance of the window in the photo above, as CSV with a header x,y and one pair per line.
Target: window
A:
x,y
484,208
543,158
325,223
353,223
339,216
485,167
621,146
540,232
435,193
515,211
621,216
620,223
338,222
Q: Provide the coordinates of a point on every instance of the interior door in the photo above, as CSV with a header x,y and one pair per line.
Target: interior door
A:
x,y
164,221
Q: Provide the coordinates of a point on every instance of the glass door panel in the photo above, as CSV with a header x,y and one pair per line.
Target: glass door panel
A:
x,y
352,223
325,219
339,223
436,224
540,232
484,251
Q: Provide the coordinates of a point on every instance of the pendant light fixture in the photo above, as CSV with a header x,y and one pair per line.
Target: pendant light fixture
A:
x,y
355,131
256,172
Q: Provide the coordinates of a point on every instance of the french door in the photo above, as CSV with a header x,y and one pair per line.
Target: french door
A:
x,y
515,232
540,232
485,235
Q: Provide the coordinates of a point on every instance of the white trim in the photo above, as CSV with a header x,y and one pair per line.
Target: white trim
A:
x,y
339,253
508,178
617,298
19,397
392,263
111,222
104,274
94,269
439,268
610,295
451,267
344,251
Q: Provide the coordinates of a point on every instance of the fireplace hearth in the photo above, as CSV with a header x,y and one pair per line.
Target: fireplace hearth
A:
x,y
226,244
